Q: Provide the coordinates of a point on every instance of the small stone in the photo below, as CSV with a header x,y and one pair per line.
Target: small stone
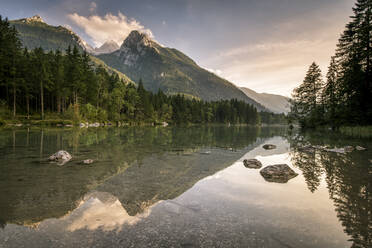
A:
x,y
360,148
269,147
206,152
279,173
88,161
252,163
82,124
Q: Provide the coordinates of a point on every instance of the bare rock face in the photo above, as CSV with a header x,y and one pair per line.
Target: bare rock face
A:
x,y
252,163
61,157
278,173
269,147
136,45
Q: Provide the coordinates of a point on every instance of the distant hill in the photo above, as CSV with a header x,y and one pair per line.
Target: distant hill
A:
x,y
274,103
168,69
107,47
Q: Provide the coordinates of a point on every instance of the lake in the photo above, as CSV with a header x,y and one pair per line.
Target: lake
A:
x,y
182,187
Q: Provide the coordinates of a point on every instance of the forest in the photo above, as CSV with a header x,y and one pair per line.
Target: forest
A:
x,y
67,85
345,97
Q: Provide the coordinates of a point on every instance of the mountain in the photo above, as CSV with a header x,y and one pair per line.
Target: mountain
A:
x,y
34,32
168,69
274,103
108,47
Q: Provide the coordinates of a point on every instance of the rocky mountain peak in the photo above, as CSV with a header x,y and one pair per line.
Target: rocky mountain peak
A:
x,y
35,18
137,39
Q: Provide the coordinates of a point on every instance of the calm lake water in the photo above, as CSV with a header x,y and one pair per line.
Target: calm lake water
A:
x,y
181,187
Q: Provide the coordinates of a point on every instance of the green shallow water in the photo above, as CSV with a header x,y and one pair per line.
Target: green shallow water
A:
x,y
181,187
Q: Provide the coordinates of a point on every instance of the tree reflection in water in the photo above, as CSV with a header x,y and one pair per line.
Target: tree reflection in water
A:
x,y
348,178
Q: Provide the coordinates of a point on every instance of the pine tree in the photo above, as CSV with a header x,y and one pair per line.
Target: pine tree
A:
x,y
307,96
354,58
330,92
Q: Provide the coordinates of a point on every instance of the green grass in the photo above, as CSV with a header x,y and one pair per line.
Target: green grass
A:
x,y
357,131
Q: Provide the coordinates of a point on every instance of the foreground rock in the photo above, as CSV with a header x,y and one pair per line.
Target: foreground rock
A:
x,y
269,147
278,173
61,157
252,163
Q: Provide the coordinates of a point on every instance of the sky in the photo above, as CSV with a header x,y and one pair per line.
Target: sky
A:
x,y
265,45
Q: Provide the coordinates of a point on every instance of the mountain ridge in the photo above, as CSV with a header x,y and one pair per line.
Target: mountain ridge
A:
x,y
170,70
138,57
274,102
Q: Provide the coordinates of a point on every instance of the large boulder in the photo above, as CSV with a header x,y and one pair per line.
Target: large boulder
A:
x,y
278,173
61,157
269,147
252,163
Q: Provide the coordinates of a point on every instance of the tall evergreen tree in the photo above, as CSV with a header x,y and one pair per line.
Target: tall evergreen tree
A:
x,y
307,96
354,58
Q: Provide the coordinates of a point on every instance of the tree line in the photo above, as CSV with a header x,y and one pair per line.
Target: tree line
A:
x,y
68,85
345,98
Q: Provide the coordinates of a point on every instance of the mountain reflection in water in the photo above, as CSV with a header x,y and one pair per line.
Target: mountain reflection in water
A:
x,y
181,187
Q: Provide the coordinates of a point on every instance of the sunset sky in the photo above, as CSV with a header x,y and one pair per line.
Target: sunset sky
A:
x,y
264,45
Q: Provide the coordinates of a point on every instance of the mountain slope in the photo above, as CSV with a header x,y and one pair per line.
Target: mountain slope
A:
x,y
34,32
170,70
274,103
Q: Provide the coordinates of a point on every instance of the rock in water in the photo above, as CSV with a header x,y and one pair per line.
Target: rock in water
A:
x,y
61,157
269,146
278,173
252,163
359,148
88,161
348,148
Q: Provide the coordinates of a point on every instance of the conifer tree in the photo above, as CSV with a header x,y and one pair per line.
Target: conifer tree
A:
x,y
307,96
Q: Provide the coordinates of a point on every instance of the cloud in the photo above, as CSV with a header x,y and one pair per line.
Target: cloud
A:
x,y
215,71
108,27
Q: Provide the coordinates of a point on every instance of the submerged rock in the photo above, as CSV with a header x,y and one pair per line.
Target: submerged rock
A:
x,y
309,149
348,148
61,157
269,146
343,150
87,161
360,148
278,173
252,163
